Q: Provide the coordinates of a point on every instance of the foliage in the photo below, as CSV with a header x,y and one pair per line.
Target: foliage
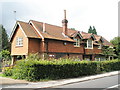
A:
x,y
34,70
5,58
56,69
5,55
35,56
90,30
72,28
116,42
7,71
112,65
94,30
108,51
4,43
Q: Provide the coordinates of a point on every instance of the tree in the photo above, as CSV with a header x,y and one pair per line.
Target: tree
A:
x,y
5,57
90,30
4,43
94,30
72,28
116,42
108,51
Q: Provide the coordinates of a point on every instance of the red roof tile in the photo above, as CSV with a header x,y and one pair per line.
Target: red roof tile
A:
x,y
29,30
86,35
51,31
35,29
107,43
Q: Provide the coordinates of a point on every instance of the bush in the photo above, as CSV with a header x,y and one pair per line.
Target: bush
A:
x,y
56,69
112,65
5,54
34,70
35,56
7,71
5,58
23,70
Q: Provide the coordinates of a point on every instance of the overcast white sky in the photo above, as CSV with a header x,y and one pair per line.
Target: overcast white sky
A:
x,y
103,14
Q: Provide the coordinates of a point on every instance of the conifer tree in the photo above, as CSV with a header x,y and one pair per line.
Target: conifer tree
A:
x,y
94,30
4,44
90,30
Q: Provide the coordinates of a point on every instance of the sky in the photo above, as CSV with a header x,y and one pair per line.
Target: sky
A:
x,y
81,14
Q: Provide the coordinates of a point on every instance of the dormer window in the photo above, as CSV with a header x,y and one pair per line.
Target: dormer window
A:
x,y
77,43
89,44
19,41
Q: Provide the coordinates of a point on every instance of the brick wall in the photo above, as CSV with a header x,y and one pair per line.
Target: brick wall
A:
x,y
19,50
59,46
95,50
34,45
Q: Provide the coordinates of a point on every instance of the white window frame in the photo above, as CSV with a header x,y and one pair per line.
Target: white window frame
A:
x,y
77,43
19,41
88,45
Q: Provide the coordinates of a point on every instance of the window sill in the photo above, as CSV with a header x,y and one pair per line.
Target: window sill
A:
x,y
76,46
88,48
18,46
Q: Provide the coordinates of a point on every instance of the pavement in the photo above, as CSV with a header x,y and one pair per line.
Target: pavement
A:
x,y
12,83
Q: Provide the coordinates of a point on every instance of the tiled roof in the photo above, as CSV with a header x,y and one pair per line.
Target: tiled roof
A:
x,y
35,29
87,35
97,37
29,30
106,43
51,31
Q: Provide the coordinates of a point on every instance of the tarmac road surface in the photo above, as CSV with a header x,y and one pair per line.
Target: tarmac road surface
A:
x,y
105,82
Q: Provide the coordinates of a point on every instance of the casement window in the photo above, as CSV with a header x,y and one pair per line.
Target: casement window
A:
x,y
77,43
89,44
19,41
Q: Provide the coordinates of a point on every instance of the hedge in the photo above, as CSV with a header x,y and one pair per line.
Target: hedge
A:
x,y
107,66
34,70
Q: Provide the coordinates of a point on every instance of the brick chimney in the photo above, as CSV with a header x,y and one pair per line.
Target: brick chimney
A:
x,y
64,24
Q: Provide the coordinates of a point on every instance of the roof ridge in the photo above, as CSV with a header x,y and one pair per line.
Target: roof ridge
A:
x,y
21,21
97,35
51,25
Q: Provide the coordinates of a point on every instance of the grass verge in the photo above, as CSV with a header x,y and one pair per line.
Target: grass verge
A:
x,y
1,75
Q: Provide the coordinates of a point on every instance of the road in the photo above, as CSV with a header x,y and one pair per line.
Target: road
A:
x,y
106,83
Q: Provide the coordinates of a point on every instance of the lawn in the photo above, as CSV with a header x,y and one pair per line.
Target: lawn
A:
x,y
1,75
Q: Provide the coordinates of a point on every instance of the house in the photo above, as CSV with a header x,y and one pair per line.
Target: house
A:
x,y
55,41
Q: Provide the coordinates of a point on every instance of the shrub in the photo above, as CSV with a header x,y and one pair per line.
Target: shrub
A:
x,y
5,54
24,70
34,70
56,69
35,56
5,58
112,65
7,71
